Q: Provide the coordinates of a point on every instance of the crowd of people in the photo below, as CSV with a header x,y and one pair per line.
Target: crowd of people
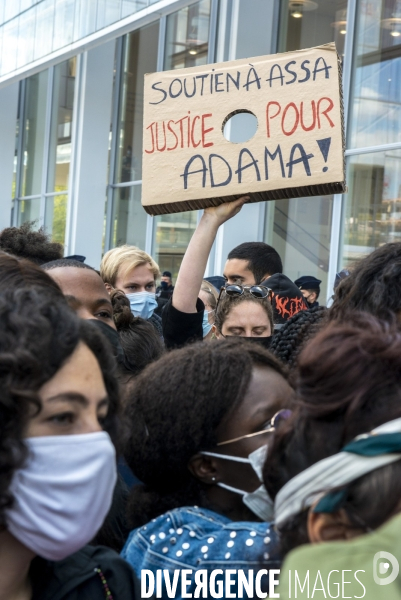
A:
x,y
229,423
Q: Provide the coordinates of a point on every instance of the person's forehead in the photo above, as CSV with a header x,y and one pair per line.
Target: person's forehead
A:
x,y
81,366
139,273
246,313
236,265
80,283
267,393
204,296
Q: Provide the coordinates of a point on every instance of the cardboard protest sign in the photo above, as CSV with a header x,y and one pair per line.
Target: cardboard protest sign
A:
x,y
297,150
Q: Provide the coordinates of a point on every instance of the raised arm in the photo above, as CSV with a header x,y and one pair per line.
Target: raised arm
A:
x,y
193,264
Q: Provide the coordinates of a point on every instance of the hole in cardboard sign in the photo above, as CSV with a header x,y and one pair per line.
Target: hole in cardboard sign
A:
x,y
240,126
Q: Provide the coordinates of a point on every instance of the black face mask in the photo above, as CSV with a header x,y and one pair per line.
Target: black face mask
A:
x,y
112,338
262,341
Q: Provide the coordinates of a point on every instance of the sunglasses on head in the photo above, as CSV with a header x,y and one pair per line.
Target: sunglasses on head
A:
x,y
235,290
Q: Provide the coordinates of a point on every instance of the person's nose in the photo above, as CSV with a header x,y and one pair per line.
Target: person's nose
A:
x,y
90,422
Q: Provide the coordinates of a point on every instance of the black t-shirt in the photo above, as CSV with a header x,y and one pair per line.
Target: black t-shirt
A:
x,y
180,328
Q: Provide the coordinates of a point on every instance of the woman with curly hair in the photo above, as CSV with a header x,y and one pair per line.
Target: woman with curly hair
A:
x,y
373,286
58,413
241,310
199,420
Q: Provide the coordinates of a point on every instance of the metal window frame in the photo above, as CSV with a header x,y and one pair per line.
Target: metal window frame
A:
x,y
46,150
338,199
19,169
120,45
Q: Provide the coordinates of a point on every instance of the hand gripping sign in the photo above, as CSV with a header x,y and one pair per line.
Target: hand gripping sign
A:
x,y
297,150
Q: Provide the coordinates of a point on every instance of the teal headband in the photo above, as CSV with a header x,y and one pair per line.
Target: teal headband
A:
x,y
325,482
371,445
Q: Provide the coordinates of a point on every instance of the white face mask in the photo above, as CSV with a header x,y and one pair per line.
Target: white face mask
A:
x,y
63,492
142,304
258,501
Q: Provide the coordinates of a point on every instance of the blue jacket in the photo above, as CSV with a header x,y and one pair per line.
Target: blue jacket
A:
x,y
196,538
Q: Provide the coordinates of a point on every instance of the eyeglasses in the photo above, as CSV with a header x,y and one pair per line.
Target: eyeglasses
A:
x,y
257,291
281,415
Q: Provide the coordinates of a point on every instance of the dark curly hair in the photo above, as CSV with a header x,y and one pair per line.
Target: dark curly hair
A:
x,y
37,335
227,303
373,286
348,383
288,342
139,340
19,273
25,242
173,412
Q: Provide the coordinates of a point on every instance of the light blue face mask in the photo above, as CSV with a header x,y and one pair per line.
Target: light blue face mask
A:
x,y
142,304
206,326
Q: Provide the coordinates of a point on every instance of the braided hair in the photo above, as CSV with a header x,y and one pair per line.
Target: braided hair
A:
x,y
288,342
138,337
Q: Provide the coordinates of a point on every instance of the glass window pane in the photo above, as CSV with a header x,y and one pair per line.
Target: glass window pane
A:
x,y
61,124
130,7
300,230
26,40
25,4
171,238
372,214
11,8
29,210
34,133
187,36
108,11
129,218
63,23
140,57
44,29
85,18
308,23
56,217
8,61
375,116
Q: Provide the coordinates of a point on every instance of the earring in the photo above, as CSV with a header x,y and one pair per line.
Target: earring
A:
x,y
213,479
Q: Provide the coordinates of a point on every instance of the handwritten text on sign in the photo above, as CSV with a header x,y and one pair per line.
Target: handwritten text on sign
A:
x,y
296,100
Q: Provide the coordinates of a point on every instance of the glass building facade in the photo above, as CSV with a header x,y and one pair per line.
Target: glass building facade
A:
x,y
71,73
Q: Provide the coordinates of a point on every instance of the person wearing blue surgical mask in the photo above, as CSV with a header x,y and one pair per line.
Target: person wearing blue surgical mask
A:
x,y
208,295
58,405
133,271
